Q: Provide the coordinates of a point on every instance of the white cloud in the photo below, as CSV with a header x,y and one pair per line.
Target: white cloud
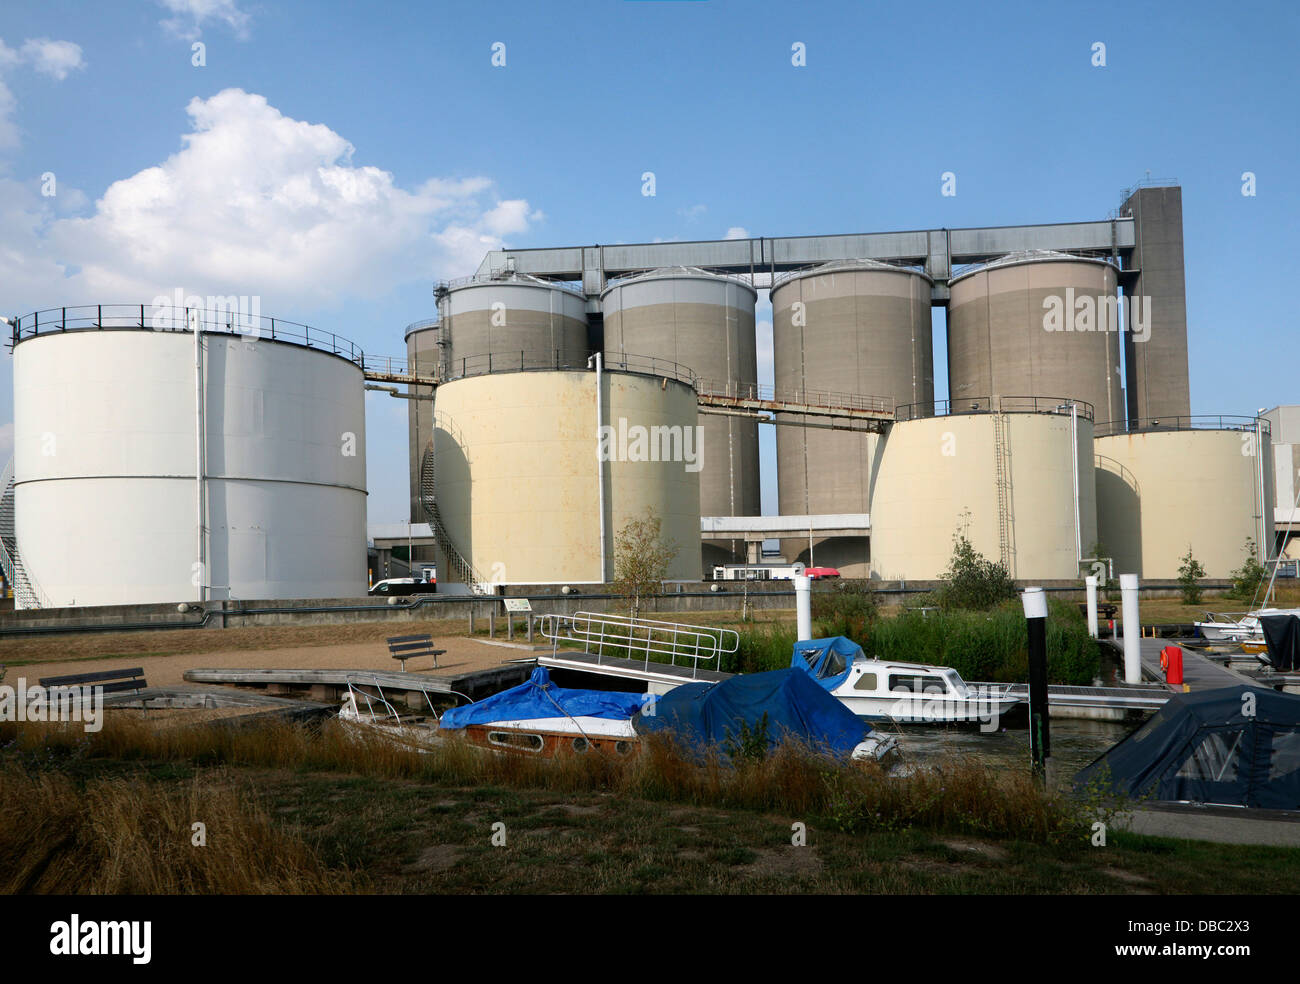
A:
x,y
737,232
53,58
189,17
255,203
693,212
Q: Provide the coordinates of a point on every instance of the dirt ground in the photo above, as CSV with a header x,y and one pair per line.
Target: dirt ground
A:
x,y
166,655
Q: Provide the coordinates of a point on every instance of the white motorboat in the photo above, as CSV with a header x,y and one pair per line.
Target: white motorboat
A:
x,y
1238,626
905,693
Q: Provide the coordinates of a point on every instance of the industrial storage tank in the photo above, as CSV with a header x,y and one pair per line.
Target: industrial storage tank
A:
x,y
1037,323
518,471
512,321
1018,482
857,327
148,472
1199,482
705,323
423,358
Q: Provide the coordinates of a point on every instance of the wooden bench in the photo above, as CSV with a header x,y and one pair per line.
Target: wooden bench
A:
x,y
413,647
112,681
1105,609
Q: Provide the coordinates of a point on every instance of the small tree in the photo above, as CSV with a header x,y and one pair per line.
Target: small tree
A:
x,y
1247,578
971,580
1188,574
641,559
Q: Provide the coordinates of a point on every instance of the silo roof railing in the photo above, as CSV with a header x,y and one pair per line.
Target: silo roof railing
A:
x,y
507,277
994,404
503,362
216,318
865,264
1147,425
420,325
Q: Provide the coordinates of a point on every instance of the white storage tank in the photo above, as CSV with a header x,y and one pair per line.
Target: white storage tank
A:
x,y
1018,483
1204,483
518,488
110,484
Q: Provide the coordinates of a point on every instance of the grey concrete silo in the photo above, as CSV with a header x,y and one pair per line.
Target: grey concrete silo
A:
x,y
856,327
704,322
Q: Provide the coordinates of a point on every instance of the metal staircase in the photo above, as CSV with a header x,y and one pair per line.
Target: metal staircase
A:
x,y
463,570
27,594
1002,481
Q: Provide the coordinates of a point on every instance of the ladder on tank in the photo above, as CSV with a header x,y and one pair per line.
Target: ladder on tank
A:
x,y
461,568
1002,481
26,592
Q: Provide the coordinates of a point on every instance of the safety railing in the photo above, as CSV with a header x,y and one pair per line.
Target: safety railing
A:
x,y
730,389
622,637
994,404
216,316
556,360
1225,422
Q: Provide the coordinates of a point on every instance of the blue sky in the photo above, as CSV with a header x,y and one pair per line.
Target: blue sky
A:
x,y
341,157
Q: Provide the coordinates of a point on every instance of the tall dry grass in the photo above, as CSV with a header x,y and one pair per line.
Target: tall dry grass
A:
x,y
953,795
133,836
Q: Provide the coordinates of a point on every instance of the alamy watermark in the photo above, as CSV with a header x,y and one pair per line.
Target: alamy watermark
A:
x,y
239,313
657,442
22,703
1085,312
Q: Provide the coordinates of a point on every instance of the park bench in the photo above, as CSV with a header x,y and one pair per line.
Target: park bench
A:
x,y
413,647
112,681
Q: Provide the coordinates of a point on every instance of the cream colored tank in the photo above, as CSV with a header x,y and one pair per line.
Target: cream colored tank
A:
x,y
516,465
939,475
1160,492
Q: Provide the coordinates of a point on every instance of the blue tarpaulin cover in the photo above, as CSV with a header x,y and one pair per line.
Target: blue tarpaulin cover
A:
x,y
701,713
538,697
828,660
1238,745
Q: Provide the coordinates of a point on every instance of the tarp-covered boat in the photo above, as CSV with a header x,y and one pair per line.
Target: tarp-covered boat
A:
x,y
1238,746
538,716
786,703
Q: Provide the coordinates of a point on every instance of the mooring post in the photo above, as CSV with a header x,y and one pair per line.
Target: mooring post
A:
x,y
1040,739
492,621
510,626
530,627
1128,592
803,605
1091,582
470,606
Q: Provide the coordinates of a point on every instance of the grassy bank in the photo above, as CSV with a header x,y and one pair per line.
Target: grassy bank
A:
x,y
288,810
988,646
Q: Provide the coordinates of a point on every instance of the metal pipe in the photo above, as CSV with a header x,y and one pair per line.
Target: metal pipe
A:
x,y
1128,587
600,466
1091,582
198,451
1074,473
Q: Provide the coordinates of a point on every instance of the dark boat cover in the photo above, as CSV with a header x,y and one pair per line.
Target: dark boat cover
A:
x,y
538,697
1238,745
1282,634
828,660
700,714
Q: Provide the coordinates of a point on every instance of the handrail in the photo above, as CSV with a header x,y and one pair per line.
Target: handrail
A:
x,y
994,404
761,392
492,363
1185,422
219,318
700,644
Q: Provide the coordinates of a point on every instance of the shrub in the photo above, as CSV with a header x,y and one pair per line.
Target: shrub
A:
x,y
1247,578
1188,574
972,581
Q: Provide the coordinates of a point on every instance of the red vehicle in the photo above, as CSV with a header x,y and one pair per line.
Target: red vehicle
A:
x,y
818,573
